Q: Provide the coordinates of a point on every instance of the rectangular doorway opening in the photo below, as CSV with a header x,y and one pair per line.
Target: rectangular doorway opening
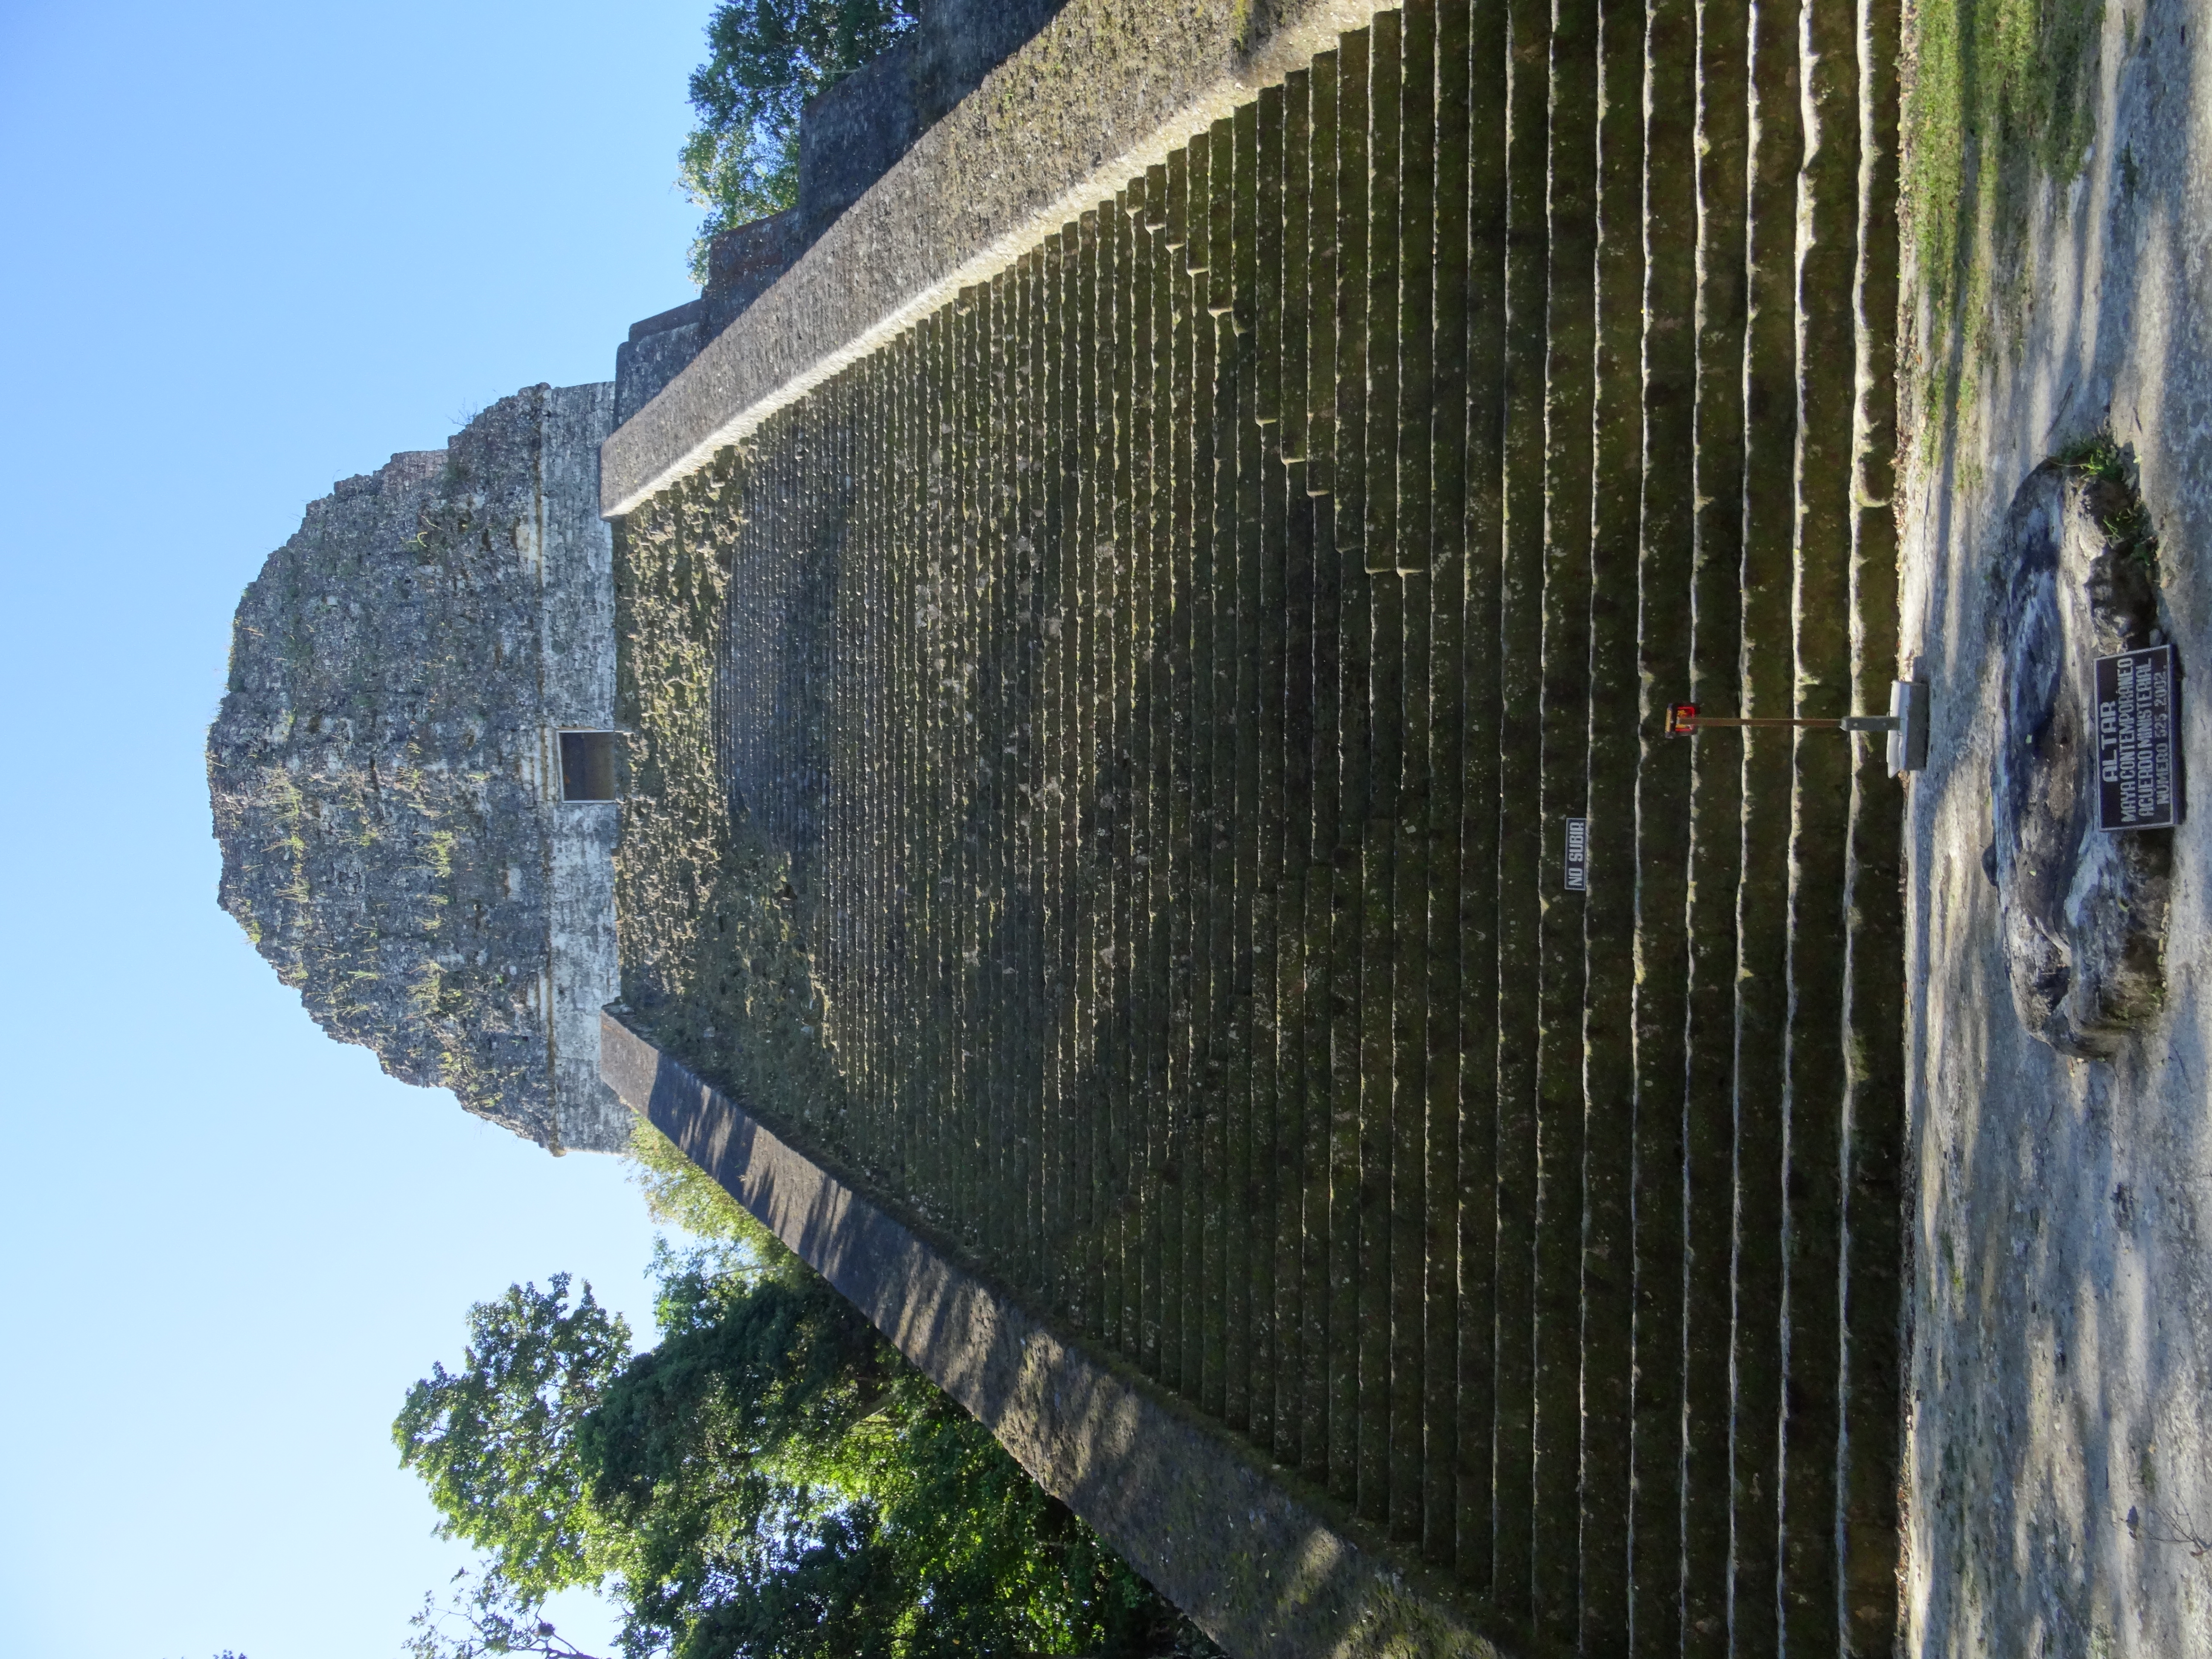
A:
x,y
587,766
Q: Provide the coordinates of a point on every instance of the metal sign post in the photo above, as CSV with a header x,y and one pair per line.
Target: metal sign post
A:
x,y
1906,724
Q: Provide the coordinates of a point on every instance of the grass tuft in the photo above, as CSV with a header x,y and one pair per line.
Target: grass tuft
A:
x,y
2127,526
2000,94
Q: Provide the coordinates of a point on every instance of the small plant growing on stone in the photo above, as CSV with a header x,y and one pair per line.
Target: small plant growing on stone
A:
x,y
768,57
2126,520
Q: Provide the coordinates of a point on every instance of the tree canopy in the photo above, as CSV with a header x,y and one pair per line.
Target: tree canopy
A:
x,y
772,1480
766,58
496,1441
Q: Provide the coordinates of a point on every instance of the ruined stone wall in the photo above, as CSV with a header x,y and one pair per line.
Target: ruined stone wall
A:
x,y
849,137
383,770
577,676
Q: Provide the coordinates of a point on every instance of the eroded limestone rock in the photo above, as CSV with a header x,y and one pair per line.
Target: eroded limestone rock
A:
x,y
2083,912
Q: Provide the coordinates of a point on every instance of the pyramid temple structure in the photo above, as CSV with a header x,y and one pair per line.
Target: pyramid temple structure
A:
x,y
1210,727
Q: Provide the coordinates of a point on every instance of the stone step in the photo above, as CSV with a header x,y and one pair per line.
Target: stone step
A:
x,y
1612,1552
1664,1524
1516,690
1168,671
1714,830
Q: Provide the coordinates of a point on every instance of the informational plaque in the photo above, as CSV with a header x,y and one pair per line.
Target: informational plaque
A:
x,y
2137,784
1578,856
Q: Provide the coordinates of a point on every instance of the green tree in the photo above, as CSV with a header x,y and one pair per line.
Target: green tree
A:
x,y
678,1193
496,1440
766,58
772,1480
484,1616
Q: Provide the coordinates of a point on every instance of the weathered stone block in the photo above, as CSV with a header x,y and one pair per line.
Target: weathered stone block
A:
x,y
2083,912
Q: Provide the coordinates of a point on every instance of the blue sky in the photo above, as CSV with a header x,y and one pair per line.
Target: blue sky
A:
x,y
251,249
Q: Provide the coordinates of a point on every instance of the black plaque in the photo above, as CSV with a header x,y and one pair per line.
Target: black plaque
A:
x,y
2138,779
1578,856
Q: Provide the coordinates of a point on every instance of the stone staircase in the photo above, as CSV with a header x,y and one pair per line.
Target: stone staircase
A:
x,y
1171,669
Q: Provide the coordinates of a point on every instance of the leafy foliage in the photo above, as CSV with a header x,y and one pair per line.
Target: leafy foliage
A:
x,y
772,1479
679,1193
484,1615
767,59
496,1441
2124,518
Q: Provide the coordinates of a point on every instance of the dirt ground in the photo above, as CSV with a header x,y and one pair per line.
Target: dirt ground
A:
x,y
2058,1484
